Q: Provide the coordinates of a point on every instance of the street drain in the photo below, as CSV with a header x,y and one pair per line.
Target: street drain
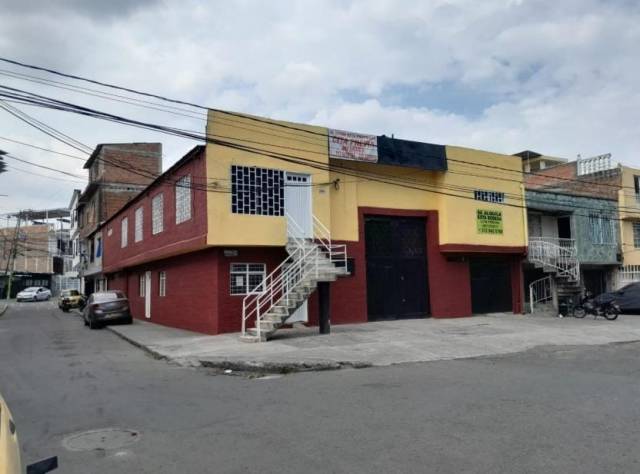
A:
x,y
104,439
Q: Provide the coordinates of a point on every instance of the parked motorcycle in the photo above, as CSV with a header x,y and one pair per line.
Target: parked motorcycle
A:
x,y
588,305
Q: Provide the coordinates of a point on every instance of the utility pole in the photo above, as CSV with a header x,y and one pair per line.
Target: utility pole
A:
x,y
12,256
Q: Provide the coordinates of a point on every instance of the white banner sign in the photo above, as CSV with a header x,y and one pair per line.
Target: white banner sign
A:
x,y
353,146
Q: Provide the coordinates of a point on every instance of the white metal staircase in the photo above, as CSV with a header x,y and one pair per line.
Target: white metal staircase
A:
x,y
285,289
557,257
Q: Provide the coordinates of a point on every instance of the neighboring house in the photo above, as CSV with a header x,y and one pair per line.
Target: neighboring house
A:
x,y
629,203
574,240
74,232
247,228
533,161
41,251
117,173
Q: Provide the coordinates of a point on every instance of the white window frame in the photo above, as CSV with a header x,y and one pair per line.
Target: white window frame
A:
x,y
124,232
183,199
142,284
157,214
496,197
244,270
601,231
162,283
636,234
139,221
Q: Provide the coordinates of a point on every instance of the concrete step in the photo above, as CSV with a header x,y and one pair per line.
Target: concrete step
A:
x,y
249,338
269,326
264,335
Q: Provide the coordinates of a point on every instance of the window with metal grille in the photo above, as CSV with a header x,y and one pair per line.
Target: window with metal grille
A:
x,y
183,199
258,191
246,277
601,229
124,232
157,214
636,235
138,224
142,285
162,284
488,196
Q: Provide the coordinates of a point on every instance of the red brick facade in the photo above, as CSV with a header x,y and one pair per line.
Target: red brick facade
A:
x,y
564,179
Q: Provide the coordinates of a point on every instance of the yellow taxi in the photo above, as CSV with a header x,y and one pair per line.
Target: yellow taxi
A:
x,y
70,299
10,448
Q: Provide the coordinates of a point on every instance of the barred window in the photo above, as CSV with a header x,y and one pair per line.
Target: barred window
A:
x,y
246,277
636,235
183,199
162,284
258,191
138,224
124,232
488,196
142,286
157,214
601,229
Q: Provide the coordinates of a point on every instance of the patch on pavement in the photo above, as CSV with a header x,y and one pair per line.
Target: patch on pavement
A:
x,y
104,439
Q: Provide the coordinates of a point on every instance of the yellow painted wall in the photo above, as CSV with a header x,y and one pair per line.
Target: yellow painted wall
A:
x,y
453,196
471,169
264,136
337,206
629,210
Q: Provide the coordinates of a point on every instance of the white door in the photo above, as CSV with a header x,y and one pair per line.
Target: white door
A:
x,y
147,294
297,204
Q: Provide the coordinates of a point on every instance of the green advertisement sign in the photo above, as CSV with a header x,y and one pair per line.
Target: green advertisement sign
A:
x,y
489,222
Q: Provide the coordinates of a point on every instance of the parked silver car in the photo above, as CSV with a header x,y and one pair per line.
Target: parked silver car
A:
x,y
34,293
106,307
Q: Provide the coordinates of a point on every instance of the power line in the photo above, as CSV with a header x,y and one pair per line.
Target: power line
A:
x,y
263,121
65,106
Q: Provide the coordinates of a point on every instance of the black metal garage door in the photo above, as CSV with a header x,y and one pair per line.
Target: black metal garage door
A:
x,y
490,286
396,267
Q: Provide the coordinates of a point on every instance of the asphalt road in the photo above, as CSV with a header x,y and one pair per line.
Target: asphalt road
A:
x,y
569,410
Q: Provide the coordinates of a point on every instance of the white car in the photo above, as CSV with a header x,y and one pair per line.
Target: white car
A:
x,y
34,293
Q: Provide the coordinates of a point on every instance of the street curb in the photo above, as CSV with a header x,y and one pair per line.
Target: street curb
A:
x,y
281,367
250,366
4,309
133,342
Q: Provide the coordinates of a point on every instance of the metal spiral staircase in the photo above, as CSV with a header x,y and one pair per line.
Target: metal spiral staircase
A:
x,y
285,289
558,258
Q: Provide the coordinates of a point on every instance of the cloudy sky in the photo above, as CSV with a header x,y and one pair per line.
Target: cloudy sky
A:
x,y
558,77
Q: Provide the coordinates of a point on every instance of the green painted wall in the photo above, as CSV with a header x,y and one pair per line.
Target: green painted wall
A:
x,y
580,208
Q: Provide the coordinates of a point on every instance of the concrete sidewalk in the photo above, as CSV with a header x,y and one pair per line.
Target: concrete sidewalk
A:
x,y
377,344
4,305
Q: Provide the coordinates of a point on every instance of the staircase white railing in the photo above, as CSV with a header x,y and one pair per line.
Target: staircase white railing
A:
x,y
303,261
540,291
557,255
337,253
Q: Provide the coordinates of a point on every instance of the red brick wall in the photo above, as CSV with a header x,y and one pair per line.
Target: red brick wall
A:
x,y
133,163
175,238
564,178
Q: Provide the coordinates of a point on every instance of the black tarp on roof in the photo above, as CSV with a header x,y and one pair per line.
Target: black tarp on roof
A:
x,y
426,156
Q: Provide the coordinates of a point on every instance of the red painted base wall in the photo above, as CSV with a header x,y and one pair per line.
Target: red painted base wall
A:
x,y
198,284
191,297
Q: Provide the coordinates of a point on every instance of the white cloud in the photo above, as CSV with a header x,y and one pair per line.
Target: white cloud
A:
x,y
559,77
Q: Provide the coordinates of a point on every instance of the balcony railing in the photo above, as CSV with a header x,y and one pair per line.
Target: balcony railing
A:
x,y
567,244
556,255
